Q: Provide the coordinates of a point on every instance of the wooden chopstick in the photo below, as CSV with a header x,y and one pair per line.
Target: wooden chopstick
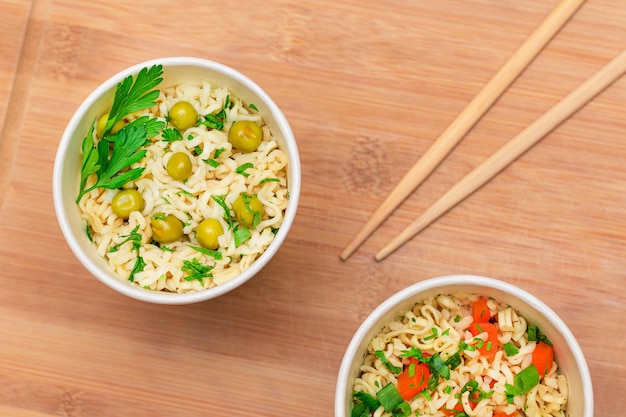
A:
x,y
512,150
467,118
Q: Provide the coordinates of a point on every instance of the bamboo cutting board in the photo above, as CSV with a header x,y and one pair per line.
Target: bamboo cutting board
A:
x,y
367,88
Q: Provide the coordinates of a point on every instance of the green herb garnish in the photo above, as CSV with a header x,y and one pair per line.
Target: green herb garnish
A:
x,y
434,333
211,121
241,169
370,402
220,199
133,237
138,267
212,162
218,152
171,135
389,397
253,107
196,270
264,180
110,165
212,253
385,361
88,231
184,192
526,380
535,335
510,349
241,236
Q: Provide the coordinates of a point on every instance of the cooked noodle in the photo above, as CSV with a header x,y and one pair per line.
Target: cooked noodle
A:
x,y
191,201
449,317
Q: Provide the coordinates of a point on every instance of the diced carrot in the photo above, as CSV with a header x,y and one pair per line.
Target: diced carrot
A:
x,y
490,346
503,414
480,311
413,379
542,358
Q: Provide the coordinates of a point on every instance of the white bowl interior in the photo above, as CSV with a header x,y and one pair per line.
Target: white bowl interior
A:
x,y
568,353
66,173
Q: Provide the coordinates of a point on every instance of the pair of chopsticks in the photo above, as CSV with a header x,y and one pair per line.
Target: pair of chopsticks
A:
x,y
468,118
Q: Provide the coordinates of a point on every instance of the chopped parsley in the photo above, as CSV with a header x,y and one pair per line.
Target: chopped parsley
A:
x,y
133,237
212,162
171,135
264,180
212,253
241,236
241,169
187,193
212,121
196,270
138,267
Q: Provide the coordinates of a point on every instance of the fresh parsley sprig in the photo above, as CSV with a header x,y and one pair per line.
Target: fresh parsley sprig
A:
x,y
115,153
131,97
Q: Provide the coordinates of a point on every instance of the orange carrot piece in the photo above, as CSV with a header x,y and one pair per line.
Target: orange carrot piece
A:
x,y
490,346
413,379
503,414
480,311
542,358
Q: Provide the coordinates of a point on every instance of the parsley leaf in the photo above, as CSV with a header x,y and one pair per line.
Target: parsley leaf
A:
x,y
116,152
171,135
131,97
138,267
212,121
220,199
241,236
212,253
133,237
196,270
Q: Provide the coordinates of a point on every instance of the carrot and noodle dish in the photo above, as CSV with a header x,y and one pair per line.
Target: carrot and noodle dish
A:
x,y
460,355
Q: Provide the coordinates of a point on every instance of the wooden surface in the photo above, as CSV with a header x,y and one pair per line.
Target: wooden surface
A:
x,y
366,87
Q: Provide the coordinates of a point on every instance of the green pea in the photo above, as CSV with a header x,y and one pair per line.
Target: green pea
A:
x,y
179,166
166,229
183,115
207,233
248,209
245,136
127,201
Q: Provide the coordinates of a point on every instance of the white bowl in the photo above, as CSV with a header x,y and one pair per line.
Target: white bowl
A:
x,y
568,353
65,181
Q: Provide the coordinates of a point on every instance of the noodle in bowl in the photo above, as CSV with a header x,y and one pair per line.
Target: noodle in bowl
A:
x,y
432,317
271,172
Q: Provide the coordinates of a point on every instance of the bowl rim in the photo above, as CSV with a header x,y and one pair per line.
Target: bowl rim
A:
x,y
197,296
451,280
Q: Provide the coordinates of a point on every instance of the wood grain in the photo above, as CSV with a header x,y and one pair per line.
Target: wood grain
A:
x,y
366,87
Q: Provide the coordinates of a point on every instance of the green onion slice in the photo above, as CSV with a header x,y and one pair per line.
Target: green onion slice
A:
x,y
526,380
402,410
389,397
510,349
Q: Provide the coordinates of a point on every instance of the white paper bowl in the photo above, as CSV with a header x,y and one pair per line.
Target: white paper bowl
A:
x,y
65,181
568,354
